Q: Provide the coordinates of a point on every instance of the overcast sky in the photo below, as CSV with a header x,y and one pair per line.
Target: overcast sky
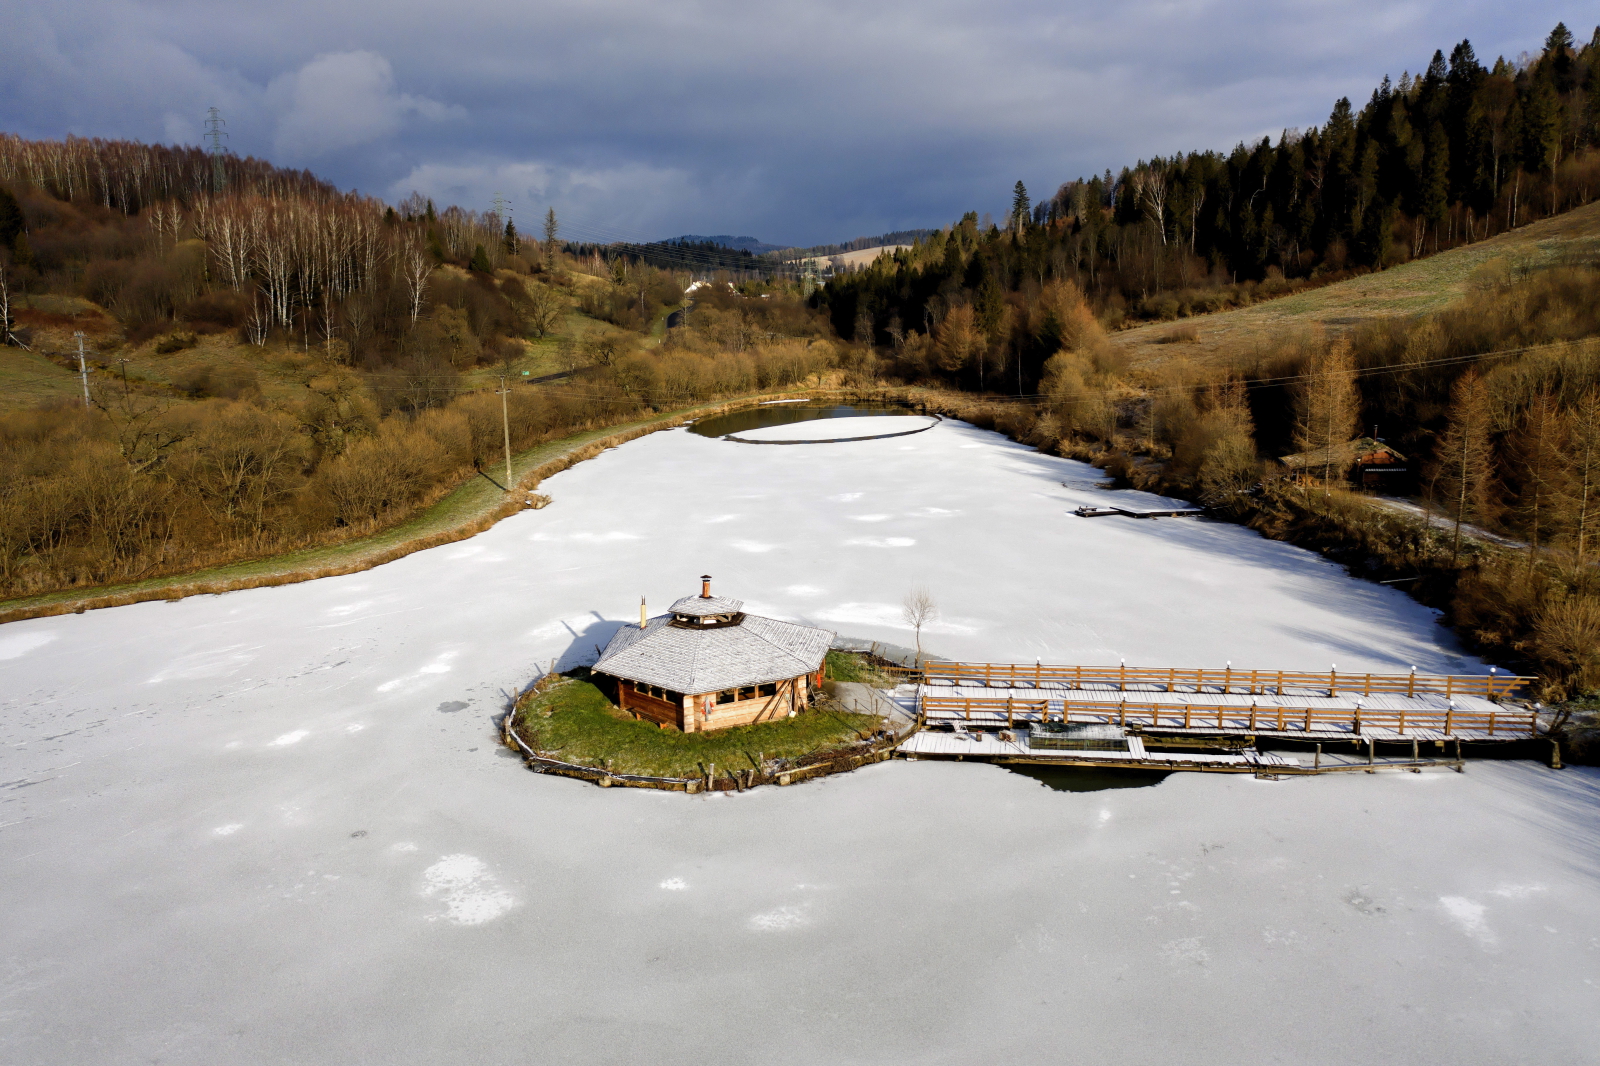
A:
x,y
792,122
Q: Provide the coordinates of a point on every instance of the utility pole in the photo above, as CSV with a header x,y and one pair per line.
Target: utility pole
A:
x,y
122,363
214,133
83,370
505,424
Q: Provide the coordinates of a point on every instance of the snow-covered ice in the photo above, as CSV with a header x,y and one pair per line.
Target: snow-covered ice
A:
x,y
274,825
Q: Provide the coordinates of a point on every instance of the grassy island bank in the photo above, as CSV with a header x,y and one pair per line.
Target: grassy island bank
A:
x,y
572,720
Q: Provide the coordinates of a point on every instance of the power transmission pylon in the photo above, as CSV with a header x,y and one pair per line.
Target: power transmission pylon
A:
x,y
214,134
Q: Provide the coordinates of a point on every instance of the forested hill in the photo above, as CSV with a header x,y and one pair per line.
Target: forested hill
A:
x,y
1457,153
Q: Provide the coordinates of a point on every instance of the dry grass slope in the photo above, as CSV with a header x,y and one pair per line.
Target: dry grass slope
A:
x,y
1415,288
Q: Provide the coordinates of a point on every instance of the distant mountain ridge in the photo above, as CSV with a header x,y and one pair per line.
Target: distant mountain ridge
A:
x,y
758,247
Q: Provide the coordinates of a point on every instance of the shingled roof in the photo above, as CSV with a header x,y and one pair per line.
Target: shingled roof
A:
x,y
693,659
706,606
1340,455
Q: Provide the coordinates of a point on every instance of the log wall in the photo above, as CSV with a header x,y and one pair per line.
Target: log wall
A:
x,y
661,712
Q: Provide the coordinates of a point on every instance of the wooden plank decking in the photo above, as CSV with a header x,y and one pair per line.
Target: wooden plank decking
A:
x,y
1308,718
990,747
1491,686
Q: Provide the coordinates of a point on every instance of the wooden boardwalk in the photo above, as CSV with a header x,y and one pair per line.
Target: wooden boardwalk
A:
x,y
1338,717
1226,681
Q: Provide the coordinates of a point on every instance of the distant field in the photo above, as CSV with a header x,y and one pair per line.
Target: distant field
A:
x,y
860,257
1412,289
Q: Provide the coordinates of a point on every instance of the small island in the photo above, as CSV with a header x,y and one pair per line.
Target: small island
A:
x,y
706,696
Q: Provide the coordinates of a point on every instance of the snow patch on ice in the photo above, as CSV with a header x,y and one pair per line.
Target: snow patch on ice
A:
x,y
721,518
354,727
205,664
404,845
871,517
803,591
471,893
1519,891
780,918
16,645
229,829
881,542
347,608
1469,916
847,497
439,665
755,547
675,884
290,738
586,538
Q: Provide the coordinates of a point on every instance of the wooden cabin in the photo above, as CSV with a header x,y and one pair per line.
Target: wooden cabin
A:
x,y
706,665
1368,462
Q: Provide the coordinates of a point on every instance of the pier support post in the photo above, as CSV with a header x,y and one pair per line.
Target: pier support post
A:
x,y
1555,754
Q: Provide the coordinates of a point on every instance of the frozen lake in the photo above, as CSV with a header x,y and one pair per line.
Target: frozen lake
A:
x,y
275,826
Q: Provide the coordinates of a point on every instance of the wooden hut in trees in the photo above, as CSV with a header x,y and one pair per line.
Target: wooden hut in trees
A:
x,y
1367,461
706,665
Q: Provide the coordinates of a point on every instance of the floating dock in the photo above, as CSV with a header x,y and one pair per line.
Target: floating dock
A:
x,y
1107,512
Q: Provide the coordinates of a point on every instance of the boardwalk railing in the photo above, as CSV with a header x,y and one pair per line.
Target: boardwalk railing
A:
x,y
1494,686
996,710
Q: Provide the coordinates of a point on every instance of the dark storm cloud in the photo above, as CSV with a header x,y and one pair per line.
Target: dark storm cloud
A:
x,y
793,122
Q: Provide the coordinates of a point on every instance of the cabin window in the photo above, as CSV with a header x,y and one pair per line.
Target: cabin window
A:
x,y
747,693
768,690
727,695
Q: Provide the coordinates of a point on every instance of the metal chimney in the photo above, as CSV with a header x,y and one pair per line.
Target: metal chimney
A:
x,y
705,586
644,619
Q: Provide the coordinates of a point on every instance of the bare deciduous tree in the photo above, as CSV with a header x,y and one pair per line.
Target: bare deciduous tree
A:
x,y
1465,453
1538,455
542,312
918,609
1327,407
1583,429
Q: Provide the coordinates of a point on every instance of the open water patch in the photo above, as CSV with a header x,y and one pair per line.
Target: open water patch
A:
x,y
731,425
1086,779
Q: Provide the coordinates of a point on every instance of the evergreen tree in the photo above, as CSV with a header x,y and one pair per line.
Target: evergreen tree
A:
x,y
11,222
1541,128
550,230
512,241
1020,207
480,260
1436,178
1560,40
